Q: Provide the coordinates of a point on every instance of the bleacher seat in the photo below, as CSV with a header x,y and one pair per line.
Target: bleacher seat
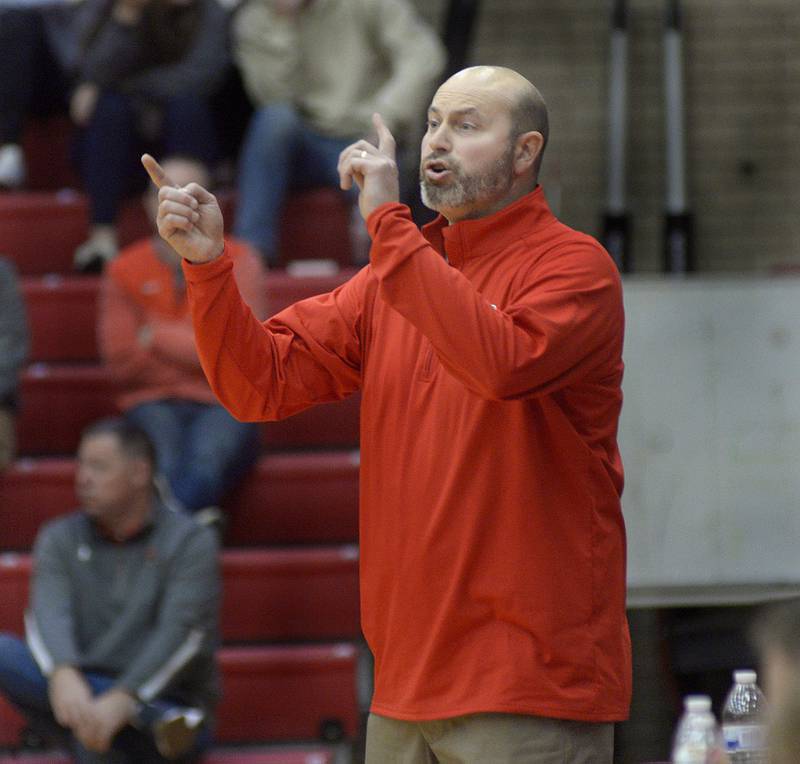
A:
x,y
62,310
288,692
59,400
286,594
298,498
39,230
15,573
269,594
62,316
305,498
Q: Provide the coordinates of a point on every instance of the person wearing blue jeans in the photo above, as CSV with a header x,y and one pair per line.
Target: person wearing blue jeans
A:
x,y
22,683
201,450
122,623
108,151
281,151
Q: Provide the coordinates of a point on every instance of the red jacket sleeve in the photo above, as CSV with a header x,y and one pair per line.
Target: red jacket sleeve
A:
x,y
564,319
309,353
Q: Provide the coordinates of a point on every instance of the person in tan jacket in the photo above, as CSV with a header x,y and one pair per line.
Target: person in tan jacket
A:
x,y
316,70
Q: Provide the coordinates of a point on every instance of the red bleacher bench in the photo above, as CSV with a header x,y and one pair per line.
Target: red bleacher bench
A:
x,y
274,693
59,400
62,310
39,230
285,594
288,692
300,498
62,316
306,498
268,594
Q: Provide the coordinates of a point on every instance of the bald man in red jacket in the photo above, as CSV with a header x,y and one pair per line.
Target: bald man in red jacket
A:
x,y
488,351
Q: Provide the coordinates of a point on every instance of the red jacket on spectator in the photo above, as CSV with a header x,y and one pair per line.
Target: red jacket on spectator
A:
x,y
145,330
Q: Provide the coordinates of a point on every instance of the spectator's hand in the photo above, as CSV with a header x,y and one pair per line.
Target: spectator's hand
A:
x,y
129,12
373,169
109,713
70,697
83,102
189,218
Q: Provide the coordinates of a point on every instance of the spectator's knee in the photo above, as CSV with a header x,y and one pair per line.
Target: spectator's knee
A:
x,y
113,109
276,122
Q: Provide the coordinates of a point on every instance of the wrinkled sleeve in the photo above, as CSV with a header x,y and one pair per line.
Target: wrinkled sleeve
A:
x,y
186,620
417,59
266,51
562,321
50,626
308,353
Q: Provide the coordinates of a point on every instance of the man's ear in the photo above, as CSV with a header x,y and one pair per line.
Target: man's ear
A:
x,y
141,472
528,147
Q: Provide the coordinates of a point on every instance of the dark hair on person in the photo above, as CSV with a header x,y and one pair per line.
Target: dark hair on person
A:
x,y
135,442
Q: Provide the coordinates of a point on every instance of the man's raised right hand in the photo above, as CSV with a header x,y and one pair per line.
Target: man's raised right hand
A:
x,y
189,219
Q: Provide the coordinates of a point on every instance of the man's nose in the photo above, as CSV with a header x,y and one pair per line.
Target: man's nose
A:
x,y
439,138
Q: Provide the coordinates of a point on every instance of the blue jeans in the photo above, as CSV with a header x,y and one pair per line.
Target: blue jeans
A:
x,y
24,685
110,146
280,151
201,449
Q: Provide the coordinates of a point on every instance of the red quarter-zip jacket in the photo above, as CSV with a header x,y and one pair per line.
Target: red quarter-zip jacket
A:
x,y
492,539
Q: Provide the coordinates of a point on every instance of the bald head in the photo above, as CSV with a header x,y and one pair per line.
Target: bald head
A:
x,y
526,106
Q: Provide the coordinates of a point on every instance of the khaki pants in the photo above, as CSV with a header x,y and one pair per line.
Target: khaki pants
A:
x,y
488,739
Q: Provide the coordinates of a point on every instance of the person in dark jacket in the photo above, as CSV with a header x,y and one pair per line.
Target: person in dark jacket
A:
x,y
131,73
122,624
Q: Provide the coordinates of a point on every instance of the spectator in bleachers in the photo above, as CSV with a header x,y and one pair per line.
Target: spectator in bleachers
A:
x,y
132,73
316,70
122,625
147,340
488,351
13,352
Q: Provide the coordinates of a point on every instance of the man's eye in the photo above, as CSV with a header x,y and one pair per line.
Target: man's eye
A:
x,y
432,124
467,126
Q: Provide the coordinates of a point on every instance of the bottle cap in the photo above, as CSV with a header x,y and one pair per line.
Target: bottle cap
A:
x,y
697,703
744,676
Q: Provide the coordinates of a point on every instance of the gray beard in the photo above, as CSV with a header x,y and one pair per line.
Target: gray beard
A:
x,y
468,190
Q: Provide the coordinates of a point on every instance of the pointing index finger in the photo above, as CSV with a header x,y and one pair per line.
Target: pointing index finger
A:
x,y
386,143
156,172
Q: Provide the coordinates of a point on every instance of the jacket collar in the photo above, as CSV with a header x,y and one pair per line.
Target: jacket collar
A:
x,y
482,236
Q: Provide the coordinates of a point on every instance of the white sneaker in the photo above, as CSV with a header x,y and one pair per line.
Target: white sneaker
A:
x,y
12,166
99,249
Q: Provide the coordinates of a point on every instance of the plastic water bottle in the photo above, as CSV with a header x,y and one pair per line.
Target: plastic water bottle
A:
x,y
743,725
697,737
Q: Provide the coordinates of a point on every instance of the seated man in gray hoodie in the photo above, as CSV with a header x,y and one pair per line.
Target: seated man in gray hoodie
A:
x,y
122,623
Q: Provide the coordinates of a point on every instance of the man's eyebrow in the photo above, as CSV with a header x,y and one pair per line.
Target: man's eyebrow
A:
x,y
467,110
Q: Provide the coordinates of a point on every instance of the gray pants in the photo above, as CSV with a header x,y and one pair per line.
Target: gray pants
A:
x,y
488,739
